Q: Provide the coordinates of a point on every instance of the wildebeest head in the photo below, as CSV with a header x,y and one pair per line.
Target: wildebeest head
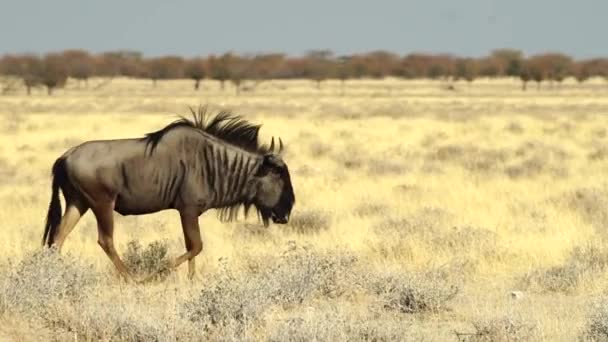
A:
x,y
273,193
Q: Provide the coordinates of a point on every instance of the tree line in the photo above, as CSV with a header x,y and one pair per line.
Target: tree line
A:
x,y
52,70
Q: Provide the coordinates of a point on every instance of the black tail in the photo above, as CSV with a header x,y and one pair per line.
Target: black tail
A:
x,y
53,217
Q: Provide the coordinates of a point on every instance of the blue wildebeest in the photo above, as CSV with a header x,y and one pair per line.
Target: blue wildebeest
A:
x,y
190,165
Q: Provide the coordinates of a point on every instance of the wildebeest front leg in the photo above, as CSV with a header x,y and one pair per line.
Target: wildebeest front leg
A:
x,y
192,238
105,228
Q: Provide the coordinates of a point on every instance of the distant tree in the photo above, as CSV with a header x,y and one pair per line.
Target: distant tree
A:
x,y
164,68
196,70
218,68
120,63
441,67
417,65
238,70
267,66
525,75
582,70
318,65
381,64
53,72
557,66
24,67
80,65
509,61
537,68
466,69
344,71
490,67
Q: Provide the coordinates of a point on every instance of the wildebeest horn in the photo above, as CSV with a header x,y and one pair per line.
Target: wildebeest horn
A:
x,y
272,145
280,145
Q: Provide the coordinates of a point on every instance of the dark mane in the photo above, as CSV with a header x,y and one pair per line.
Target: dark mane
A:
x,y
225,126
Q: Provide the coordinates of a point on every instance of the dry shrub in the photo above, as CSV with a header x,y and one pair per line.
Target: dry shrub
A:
x,y
413,293
371,209
353,157
386,167
592,205
599,153
309,221
586,262
596,328
431,139
515,128
425,222
471,158
477,243
338,324
13,123
239,301
44,281
251,230
7,172
530,167
152,259
537,158
501,329
319,149
407,189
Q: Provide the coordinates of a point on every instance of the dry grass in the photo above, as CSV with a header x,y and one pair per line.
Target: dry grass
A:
x,y
418,212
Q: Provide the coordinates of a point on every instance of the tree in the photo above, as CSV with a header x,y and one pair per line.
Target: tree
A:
x,y
557,66
318,65
466,68
267,66
80,65
381,63
53,72
238,68
509,61
164,68
537,69
196,70
25,67
582,71
525,75
218,68
344,71
123,63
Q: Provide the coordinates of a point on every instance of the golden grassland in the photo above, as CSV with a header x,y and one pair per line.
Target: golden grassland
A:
x,y
419,210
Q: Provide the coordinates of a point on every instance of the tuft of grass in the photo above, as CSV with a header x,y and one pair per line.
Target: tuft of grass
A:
x,y
149,260
319,149
44,280
592,205
372,209
596,327
584,263
336,324
381,167
471,158
238,302
501,329
309,221
413,293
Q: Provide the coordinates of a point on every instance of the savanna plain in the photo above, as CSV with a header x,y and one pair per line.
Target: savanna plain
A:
x,y
423,213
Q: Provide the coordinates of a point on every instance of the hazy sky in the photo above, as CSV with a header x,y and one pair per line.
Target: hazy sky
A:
x,y
188,28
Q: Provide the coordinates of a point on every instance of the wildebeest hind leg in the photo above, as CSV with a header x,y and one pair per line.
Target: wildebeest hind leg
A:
x,y
105,229
192,238
73,212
